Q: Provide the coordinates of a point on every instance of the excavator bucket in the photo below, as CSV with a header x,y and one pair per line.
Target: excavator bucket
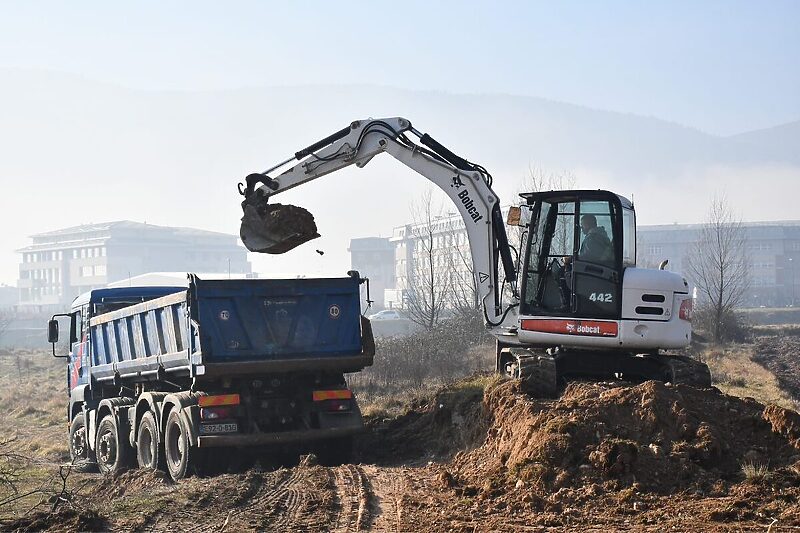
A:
x,y
276,228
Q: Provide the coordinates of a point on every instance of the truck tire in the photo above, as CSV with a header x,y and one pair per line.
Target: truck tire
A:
x,y
81,456
177,450
149,450
111,448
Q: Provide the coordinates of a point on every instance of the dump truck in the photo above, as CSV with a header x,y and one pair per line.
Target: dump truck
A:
x,y
167,377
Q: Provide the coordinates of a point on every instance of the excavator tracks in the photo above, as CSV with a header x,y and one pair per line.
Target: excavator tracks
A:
x,y
540,376
683,370
536,371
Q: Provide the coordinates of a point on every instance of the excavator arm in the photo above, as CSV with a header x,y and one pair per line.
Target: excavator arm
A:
x,y
272,228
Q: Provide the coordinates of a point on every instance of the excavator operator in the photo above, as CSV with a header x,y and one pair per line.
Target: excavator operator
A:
x,y
596,246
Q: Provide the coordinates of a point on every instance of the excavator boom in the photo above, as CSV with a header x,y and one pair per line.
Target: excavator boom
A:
x,y
276,228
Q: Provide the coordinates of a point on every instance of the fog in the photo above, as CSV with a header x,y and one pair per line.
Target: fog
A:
x,y
80,144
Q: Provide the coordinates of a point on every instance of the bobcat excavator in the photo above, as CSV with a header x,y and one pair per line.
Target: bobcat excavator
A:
x,y
577,306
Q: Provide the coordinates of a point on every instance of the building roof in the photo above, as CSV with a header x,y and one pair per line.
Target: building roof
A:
x,y
125,224
759,224
98,234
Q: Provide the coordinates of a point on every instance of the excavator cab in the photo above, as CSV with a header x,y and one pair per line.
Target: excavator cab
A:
x,y
579,243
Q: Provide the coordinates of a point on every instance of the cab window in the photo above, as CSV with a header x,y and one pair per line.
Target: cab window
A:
x,y
628,237
597,233
76,327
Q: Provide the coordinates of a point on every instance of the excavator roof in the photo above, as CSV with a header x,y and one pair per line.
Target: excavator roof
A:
x,y
555,196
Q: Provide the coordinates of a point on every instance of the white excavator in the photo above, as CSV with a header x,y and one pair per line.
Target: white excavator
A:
x,y
578,306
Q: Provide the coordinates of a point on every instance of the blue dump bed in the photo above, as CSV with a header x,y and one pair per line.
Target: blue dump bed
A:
x,y
234,327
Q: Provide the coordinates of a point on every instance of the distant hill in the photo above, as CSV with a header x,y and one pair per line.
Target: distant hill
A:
x,y
783,141
74,151
70,114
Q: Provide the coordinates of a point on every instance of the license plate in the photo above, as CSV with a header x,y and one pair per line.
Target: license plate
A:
x,y
206,429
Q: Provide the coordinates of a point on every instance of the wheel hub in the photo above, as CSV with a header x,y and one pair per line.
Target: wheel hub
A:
x,y
106,450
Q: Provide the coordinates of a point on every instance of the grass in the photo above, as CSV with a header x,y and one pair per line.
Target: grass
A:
x,y
376,403
755,472
734,372
783,330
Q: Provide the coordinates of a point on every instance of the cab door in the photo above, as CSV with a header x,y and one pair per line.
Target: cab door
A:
x,y
572,266
596,268
78,365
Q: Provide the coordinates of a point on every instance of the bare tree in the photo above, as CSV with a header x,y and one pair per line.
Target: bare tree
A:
x,y
538,180
718,264
428,279
463,285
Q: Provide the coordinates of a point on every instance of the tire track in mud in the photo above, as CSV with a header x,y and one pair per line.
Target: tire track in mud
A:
x,y
389,487
353,498
284,500
281,506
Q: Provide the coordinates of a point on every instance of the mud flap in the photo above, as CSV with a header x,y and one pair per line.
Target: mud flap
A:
x,y
275,228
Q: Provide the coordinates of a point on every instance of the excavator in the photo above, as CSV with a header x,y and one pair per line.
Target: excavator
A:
x,y
567,302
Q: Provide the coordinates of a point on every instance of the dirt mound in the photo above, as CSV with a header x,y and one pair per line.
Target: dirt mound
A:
x,y
65,520
781,356
117,484
656,437
432,428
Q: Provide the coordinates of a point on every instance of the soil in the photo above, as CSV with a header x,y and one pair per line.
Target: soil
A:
x,y
781,356
479,455
603,456
276,228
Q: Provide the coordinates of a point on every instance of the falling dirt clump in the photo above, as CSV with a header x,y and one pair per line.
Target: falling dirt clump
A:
x,y
652,437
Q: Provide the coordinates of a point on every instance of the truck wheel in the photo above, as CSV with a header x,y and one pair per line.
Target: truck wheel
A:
x,y
335,452
149,451
112,449
176,446
80,455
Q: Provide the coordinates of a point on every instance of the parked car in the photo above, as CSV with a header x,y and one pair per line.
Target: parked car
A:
x,y
386,314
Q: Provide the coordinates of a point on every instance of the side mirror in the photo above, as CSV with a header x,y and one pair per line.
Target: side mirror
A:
x,y
519,215
52,331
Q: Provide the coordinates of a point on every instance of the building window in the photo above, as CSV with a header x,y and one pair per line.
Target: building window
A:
x,y
86,271
100,270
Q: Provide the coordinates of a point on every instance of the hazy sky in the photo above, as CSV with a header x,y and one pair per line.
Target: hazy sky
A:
x,y
721,66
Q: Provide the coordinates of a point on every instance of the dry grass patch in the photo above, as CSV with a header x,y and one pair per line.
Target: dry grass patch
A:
x,y
735,373
755,472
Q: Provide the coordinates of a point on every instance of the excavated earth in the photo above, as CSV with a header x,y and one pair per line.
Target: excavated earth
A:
x,y
645,457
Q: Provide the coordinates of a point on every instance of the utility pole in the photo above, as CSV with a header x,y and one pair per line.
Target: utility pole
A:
x,y
791,265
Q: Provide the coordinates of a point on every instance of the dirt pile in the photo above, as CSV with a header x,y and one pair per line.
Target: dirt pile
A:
x,y
67,520
655,437
431,429
781,356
